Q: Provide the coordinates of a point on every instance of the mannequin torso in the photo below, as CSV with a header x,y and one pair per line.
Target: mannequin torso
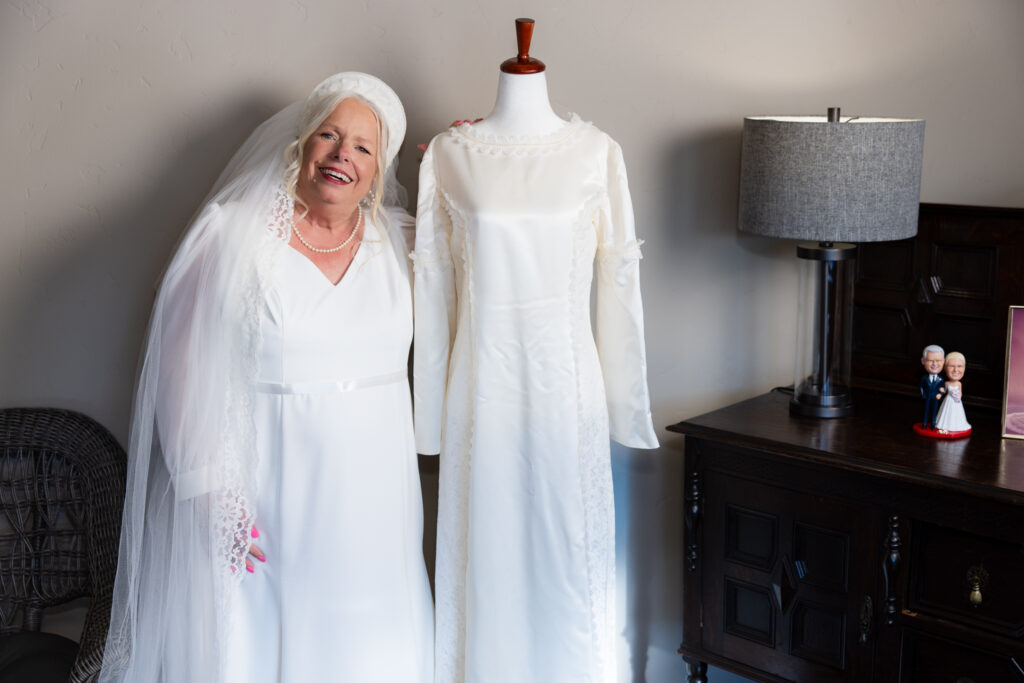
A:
x,y
521,108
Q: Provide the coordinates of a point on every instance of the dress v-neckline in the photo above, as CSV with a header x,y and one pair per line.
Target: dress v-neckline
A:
x,y
323,276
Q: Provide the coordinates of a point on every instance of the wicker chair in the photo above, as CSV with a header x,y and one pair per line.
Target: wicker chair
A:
x,y
62,479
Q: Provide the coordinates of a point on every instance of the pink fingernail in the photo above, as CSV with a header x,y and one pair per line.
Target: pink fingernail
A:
x,y
250,570
262,559
254,533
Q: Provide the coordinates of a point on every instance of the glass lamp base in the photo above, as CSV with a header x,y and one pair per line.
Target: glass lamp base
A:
x,y
821,382
839,406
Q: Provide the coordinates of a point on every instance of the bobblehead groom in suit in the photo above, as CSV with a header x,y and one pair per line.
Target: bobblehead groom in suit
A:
x,y
933,387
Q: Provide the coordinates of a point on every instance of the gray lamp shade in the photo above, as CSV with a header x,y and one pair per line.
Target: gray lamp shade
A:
x,y
853,180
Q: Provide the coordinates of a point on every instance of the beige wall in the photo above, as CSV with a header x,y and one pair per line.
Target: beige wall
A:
x,y
115,117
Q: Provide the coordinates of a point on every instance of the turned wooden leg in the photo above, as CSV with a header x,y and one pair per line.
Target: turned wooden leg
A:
x,y
696,671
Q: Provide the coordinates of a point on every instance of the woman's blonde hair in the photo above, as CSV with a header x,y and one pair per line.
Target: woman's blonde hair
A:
x,y
316,112
955,355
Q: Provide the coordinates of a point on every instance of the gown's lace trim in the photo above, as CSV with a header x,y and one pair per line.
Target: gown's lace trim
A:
x,y
457,454
281,217
519,145
440,259
234,512
455,214
593,453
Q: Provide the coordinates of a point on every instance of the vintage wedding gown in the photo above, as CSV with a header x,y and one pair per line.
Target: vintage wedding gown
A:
x,y
344,594
514,393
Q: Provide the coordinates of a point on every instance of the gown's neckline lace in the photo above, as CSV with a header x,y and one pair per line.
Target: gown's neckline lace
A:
x,y
468,133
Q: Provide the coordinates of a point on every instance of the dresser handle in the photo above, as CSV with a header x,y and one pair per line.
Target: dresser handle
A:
x,y
867,616
692,519
976,593
977,578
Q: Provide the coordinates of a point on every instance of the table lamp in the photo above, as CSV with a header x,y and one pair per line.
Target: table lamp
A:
x,y
833,181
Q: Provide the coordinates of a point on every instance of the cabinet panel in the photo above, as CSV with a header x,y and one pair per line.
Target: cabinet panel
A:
x,y
751,537
780,584
819,633
749,612
821,556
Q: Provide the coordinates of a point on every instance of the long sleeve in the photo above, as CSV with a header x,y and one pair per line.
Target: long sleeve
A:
x,y
620,323
187,420
435,309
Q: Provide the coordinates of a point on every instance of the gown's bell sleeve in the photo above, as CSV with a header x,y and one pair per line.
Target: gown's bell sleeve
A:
x,y
620,322
185,421
435,308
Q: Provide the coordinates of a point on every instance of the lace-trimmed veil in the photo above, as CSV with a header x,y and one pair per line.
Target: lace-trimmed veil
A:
x,y
192,455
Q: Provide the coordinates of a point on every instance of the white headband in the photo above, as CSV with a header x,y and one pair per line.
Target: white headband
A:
x,y
374,91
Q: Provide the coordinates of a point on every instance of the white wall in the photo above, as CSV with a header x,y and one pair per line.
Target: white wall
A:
x,y
115,117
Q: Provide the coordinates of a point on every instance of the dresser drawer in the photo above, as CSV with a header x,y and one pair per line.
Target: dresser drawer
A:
x,y
933,660
948,566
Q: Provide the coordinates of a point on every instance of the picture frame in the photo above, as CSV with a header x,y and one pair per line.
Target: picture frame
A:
x,y
1013,383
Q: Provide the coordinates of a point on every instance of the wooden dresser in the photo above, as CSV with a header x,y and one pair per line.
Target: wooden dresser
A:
x,y
851,549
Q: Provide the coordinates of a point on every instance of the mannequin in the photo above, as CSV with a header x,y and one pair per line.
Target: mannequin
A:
x,y
521,106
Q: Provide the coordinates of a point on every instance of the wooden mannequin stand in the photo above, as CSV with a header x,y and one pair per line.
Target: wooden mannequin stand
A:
x,y
523,63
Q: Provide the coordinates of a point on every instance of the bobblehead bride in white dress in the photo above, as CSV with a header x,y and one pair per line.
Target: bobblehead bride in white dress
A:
x,y
514,391
951,416
273,523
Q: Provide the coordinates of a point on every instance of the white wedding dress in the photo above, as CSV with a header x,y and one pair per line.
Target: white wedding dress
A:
x,y
951,415
344,594
514,393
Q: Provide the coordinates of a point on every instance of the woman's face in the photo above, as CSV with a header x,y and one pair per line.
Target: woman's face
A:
x,y
954,369
339,159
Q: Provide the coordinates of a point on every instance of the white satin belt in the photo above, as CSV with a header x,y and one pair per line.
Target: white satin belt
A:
x,y
330,386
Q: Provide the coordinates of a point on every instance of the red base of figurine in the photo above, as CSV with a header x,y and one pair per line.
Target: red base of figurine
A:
x,y
933,433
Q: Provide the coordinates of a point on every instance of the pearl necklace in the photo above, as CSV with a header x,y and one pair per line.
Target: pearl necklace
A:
x,y
332,249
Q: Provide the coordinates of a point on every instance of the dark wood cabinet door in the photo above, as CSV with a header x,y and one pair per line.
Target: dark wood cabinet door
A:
x,y
784,580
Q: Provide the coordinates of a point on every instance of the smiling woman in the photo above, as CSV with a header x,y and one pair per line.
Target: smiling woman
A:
x,y
273,525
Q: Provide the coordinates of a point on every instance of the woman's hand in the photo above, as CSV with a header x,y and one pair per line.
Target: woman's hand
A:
x,y
254,551
423,146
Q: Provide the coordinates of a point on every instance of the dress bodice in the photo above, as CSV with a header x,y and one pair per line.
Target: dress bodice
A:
x,y
306,320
